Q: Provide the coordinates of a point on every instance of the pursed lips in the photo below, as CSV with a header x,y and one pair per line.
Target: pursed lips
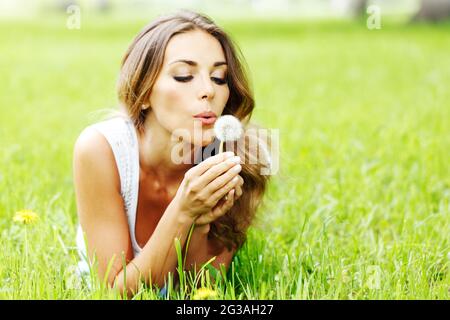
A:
x,y
206,118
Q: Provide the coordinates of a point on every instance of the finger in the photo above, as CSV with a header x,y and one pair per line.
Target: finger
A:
x,y
219,181
219,211
203,219
203,166
238,188
216,171
216,196
241,181
238,192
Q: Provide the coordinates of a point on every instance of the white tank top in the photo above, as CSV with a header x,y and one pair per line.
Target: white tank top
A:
x,y
121,135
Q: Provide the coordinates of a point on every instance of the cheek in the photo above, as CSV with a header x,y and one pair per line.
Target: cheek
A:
x,y
170,103
223,95
169,96
224,92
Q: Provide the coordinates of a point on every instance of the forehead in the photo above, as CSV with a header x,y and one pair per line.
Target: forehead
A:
x,y
195,45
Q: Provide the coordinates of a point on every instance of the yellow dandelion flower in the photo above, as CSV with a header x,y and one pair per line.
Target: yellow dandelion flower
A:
x,y
204,294
25,216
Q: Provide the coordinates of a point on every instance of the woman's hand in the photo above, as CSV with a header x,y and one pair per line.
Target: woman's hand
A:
x,y
238,189
223,206
200,194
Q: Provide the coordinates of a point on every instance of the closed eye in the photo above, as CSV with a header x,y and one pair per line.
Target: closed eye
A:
x,y
183,79
218,81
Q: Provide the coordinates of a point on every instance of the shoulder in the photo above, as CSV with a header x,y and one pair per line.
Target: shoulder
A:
x,y
92,146
93,156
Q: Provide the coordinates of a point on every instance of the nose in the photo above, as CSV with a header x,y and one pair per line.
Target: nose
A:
x,y
207,89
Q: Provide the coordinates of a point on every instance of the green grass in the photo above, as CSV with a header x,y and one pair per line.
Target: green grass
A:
x,y
359,209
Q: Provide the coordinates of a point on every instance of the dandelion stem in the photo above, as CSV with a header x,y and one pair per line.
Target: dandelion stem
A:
x,y
26,248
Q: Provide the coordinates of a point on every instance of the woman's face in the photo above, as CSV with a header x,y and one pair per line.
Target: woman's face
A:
x,y
193,79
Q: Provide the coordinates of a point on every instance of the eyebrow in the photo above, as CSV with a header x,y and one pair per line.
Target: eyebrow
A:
x,y
193,63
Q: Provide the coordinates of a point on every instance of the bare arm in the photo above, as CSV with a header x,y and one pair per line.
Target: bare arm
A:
x,y
201,249
102,215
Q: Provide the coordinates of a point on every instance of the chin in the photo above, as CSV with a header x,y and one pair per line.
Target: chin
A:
x,y
207,137
204,142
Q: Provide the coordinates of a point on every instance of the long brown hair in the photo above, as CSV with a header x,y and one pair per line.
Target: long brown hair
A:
x,y
139,70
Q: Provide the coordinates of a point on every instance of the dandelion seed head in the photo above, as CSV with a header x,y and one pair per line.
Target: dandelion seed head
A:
x,y
228,128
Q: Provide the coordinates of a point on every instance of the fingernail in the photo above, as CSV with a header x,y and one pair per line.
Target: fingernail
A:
x,y
236,168
236,160
235,179
229,154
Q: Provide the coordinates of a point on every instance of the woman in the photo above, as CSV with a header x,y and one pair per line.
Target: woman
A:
x,y
178,75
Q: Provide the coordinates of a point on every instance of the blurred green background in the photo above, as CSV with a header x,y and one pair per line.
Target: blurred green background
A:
x,y
360,207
